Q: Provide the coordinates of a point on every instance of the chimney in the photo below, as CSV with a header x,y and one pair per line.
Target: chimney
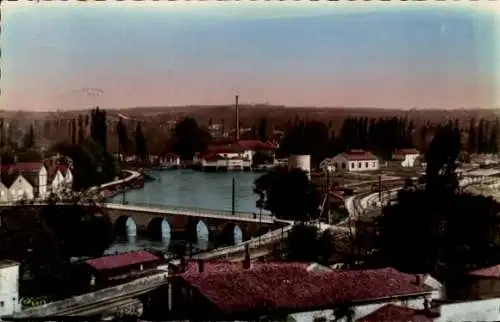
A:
x,y
201,266
237,121
246,260
418,280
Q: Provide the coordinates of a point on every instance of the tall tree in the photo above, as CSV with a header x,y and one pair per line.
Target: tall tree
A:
x,y
81,129
439,229
189,138
29,138
263,131
140,142
123,140
288,194
74,138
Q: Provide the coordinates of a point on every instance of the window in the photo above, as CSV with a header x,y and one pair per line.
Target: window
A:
x,y
359,165
2,303
366,164
353,165
343,165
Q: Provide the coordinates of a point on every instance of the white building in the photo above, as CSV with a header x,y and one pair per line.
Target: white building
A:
x,y
9,287
29,181
356,160
236,155
406,157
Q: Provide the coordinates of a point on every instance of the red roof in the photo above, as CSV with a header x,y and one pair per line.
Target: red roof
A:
x,y
22,167
358,155
291,287
122,260
224,148
492,271
221,266
397,314
406,152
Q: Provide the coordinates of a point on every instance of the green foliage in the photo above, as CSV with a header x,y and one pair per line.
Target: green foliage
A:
x,y
123,140
44,238
29,138
140,142
91,164
189,138
288,194
31,155
263,130
438,229
305,243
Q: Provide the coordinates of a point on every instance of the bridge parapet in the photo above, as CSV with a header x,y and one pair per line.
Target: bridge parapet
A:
x,y
193,212
80,302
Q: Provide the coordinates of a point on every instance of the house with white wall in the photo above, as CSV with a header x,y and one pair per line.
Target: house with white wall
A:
x,y
355,161
9,287
29,181
234,155
406,158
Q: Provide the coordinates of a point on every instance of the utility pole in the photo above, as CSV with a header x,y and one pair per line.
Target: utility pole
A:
x,y
380,188
237,129
233,201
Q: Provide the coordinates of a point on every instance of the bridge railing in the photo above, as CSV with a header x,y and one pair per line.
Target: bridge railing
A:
x,y
256,242
188,210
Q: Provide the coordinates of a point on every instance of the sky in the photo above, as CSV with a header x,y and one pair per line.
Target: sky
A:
x,y
60,55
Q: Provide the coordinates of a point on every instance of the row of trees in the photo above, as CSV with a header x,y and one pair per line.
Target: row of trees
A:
x,y
125,143
483,136
380,136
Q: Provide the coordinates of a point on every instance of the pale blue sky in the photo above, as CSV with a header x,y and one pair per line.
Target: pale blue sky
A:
x,y
312,55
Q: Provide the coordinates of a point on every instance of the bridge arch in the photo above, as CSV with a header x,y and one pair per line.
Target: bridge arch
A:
x,y
198,229
159,229
232,234
126,226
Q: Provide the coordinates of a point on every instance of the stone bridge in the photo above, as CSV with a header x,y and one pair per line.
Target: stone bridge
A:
x,y
221,227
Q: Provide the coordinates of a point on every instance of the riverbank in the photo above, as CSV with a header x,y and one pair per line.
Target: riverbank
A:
x,y
134,180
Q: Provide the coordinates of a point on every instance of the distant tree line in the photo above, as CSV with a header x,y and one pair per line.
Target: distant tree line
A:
x,y
381,136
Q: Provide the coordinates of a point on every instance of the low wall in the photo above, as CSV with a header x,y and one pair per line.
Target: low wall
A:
x,y
94,298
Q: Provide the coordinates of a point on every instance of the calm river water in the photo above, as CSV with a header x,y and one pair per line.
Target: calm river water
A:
x,y
190,189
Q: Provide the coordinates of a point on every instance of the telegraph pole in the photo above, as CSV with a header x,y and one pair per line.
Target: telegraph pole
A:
x,y
233,201
237,129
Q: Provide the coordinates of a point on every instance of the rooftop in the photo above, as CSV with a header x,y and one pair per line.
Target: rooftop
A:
x,y
358,155
292,287
122,260
492,271
8,263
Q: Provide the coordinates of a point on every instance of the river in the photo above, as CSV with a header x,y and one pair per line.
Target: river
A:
x,y
190,189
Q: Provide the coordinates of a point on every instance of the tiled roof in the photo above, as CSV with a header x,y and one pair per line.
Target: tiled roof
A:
x,y
492,271
406,152
221,266
122,260
395,313
358,155
293,288
22,167
224,148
